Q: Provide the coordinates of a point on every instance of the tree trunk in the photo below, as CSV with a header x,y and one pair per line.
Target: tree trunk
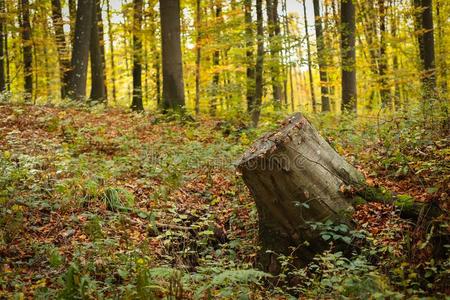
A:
x,y
136,104
156,52
27,49
98,88
273,25
308,51
296,178
442,58
61,46
111,49
216,61
101,41
2,46
8,67
348,55
382,61
321,57
424,22
198,56
73,19
395,63
76,89
249,35
256,109
172,65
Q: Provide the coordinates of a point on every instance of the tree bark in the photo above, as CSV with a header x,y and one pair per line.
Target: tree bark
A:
x,y
424,23
274,30
172,66
101,41
111,49
382,62
76,89
249,43
136,104
2,46
442,57
321,57
308,52
348,56
216,61
61,46
27,49
72,19
395,63
256,109
198,56
296,178
98,88
156,53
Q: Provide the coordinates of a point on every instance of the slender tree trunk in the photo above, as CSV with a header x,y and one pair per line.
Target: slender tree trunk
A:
x,y
216,62
27,49
198,56
111,49
442,59
348,56
8,67
321,57
2,46
76,88
101,41
382,65
61,46
308,49
136,104
154,24
424,22
273,25
98,88
72,19
172,65
368,18
395,63
329,33
249,35
256,109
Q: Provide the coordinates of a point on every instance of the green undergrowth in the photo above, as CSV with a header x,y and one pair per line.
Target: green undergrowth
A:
x,y
104,204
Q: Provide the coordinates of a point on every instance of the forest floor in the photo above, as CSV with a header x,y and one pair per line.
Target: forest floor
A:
x,y
110,204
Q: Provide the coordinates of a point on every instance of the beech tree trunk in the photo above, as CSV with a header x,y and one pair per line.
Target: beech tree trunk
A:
x,y
295,177
256,109
308,52
424,22
274,30
249,43
348,54
198,54
27,49
111,49
98,87
216,62
76,88
320,45
61,46
172,66
2,46
137,104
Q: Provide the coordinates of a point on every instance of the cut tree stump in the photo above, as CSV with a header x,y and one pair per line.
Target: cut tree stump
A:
x,y
296,179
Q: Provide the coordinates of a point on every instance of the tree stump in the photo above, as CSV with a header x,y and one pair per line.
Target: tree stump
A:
x,y
296,177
